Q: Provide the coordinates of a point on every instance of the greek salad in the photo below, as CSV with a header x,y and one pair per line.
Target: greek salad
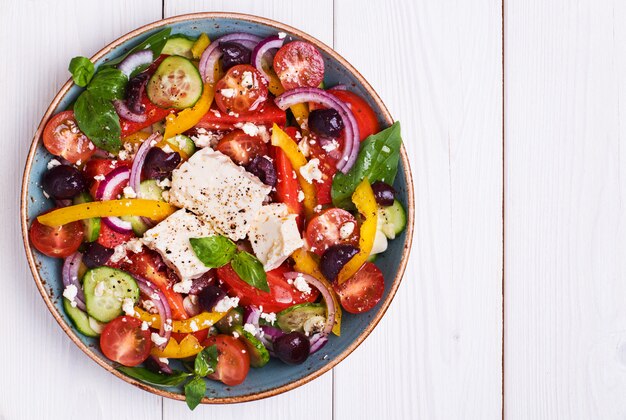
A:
x,y
216,203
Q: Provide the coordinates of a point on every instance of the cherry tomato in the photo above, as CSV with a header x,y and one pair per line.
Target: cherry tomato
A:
x,y
110,239
282,294
233,360
299,64
240,147
328,166
267,114
363,113
62,137
124,341
334,226
242,90
60,242
153,114
287,187
362,291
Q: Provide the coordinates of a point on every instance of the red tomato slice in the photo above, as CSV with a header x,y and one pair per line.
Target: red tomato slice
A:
x,y
325,230
363,113
267,114
328,166
153,114
241,91
124,341
362,291
299,64
241,148
62,137
287,187
282,294
110,238
60,242
233,360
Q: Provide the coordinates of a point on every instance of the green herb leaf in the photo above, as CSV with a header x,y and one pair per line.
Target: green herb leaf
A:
x,y
250,269
377,160
82,70
108,83
154,378
97,118
206,361
154,42
214,251
194,391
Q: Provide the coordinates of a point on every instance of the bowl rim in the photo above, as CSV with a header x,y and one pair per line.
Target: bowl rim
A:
x,y
255,395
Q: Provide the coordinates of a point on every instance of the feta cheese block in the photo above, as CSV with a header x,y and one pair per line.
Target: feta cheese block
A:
x,y
274,235
170,238
218,191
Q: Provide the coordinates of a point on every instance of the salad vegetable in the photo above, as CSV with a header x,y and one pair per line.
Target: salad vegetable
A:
x,y
215,203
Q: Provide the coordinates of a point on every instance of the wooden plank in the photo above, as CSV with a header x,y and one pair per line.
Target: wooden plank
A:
x,y
565,237
44,375
316,18
437,352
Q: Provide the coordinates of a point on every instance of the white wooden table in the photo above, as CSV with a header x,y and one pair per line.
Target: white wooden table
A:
x,y
513,302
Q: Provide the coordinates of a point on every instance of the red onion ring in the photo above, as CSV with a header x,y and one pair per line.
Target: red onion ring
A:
x,y
157,365
134,60
330,304
123,111
252,314
69,275
160,303
107,190
262,48
317,342
135,171
351,129
213,53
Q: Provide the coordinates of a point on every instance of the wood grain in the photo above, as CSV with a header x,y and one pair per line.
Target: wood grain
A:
x,y
437,352
565,231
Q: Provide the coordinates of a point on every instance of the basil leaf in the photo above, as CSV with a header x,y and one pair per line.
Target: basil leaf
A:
x,y
206,361
109,83
82,70
154,378
194,391
97,118
154,42
377,160
214,251
250,270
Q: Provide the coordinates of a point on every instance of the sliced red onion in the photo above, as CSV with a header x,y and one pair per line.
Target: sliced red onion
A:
x,y
190,303
123,111
330,304
213,52
270,43
155,364
134,60
70,277
117,224
351,129
160,303
270,334
317,342
107,190
252,314
140,157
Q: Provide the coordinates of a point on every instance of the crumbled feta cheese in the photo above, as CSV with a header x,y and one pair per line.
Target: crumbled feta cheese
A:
x,y
165,183
99,177
167,149
134,245
250,328
331,145
248,80
281,35
157,339
148,305
385,149
79,162
129,192
235,334
317,208
145,326
314,325
303,145
164,360
226,303
346,230
99,289
254,130
168,327
300,283
119,253
53,163
271,317
311,171
300,196
123,155
183,286
128,306
193,326
228,93
204,138
70,292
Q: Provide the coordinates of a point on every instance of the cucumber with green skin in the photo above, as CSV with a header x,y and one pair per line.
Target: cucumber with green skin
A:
x,y
294,317
176,83
105,290
79,318
92,226
179,44
183,143
149,190
232,319
259,356
393,219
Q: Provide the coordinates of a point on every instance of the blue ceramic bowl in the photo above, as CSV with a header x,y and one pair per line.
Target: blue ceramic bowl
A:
x,y
276,377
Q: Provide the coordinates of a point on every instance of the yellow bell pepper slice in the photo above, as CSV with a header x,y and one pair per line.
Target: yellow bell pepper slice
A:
x,y
299,111
199,322
304,263
188,346
155,210
187,118
200,45
297,160
137,137
363,199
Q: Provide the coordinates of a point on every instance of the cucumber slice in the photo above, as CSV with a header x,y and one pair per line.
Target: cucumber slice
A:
x,y
179,44
105,289
259,356
149,190
79,319
294,317
393,219
92,226
176,83
137,224
183,143
230,321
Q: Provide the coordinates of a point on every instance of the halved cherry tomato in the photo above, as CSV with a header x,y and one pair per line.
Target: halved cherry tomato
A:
x,y
325,230
241,91
363,113
233,360
267,114
124,341
299,64
62,137
110,239
153,114
328,166
287,187
362,291
241,148
282,294
60,242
